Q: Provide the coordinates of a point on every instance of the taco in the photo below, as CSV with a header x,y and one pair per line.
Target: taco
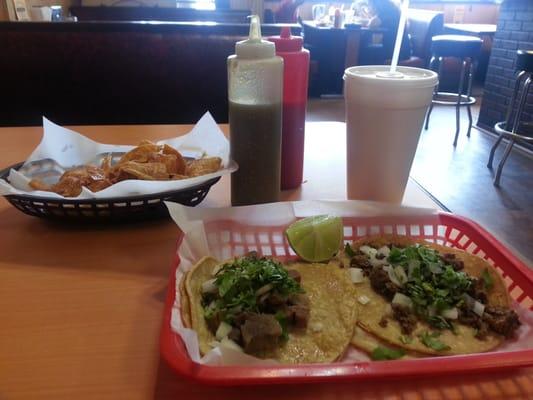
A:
x,y
293,313
428,298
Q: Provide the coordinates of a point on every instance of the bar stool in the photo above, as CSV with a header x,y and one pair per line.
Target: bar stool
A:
x,y
466,49
524,74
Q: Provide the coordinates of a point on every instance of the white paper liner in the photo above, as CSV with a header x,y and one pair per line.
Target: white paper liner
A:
x,y
195,245
70,149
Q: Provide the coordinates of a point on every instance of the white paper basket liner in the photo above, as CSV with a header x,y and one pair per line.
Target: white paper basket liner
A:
x,y
70,149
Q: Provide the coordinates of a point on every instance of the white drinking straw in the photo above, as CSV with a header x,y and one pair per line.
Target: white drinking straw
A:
x,y
399,36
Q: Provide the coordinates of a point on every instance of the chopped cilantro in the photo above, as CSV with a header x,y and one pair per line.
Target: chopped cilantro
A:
x,y
381,353
438,321
430,340
488,282
238,281
348,250
433,285
282,319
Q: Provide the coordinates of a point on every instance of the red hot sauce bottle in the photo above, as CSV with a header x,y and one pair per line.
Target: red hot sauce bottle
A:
x,y
295,79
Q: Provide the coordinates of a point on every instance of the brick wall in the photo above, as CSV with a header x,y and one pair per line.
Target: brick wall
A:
x,y
515,31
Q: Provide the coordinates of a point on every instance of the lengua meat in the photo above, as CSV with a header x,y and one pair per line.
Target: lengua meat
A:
x,y
260,332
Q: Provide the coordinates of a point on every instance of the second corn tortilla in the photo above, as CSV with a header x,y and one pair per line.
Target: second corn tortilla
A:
x,y
463,341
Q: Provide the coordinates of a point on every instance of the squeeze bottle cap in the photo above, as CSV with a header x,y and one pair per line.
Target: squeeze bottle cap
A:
x,y
255,46
285,42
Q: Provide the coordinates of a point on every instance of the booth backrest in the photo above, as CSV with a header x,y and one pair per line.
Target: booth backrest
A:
x,y
116,73
123,13
423,25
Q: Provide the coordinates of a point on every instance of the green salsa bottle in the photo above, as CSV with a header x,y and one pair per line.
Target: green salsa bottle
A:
x,y
255,93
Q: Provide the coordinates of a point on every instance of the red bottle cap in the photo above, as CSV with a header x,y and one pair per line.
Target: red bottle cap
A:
x,y
285,42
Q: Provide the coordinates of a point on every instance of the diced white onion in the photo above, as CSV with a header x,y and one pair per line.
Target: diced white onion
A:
x,y
316,327
385,251
230,344
479,308
402,300
356,274
368,251
451,313
223,330
209,286
363,299
400,274
392,276
264,289
217,268
376,263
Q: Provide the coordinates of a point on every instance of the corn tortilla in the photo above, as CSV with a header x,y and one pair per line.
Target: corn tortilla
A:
x,y
332,301
464,340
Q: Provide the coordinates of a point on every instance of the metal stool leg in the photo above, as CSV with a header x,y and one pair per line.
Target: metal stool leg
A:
x,y
458,104
502,162
431,65
516,124
508,117
468,94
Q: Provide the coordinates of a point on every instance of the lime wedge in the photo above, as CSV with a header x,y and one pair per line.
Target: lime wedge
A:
x,y
316,238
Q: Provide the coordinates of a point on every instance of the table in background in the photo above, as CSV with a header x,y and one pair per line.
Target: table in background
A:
x,y
486,33
332,51
81,306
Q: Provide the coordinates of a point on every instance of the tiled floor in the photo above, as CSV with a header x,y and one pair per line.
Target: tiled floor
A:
x,y
459,179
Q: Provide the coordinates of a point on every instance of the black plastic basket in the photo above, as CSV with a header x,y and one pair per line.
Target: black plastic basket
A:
x,y
114,209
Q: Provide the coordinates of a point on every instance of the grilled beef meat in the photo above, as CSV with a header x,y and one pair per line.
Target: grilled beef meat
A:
x,y
260,332
501,320
381,283
405,318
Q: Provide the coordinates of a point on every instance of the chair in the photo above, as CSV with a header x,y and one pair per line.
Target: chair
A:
x,y
510,128
466,49
422,26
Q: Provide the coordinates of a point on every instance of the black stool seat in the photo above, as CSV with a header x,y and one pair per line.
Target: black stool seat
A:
x,y
524,60
455,46
512,127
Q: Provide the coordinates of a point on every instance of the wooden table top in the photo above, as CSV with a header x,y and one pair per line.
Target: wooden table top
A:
x,y
478,29
81,307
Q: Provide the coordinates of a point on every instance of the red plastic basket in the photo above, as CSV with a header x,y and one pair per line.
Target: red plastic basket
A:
x,y
446,229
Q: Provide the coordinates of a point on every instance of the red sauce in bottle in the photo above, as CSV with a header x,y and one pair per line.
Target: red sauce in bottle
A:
x,y
295,78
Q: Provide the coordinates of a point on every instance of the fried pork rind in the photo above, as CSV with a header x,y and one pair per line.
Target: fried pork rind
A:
x,y
181,166
204,166
142,153
147,161
148,152
332,300
38,184
71,182
153,171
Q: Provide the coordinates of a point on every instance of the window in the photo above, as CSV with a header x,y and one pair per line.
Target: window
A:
x,y
196,4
